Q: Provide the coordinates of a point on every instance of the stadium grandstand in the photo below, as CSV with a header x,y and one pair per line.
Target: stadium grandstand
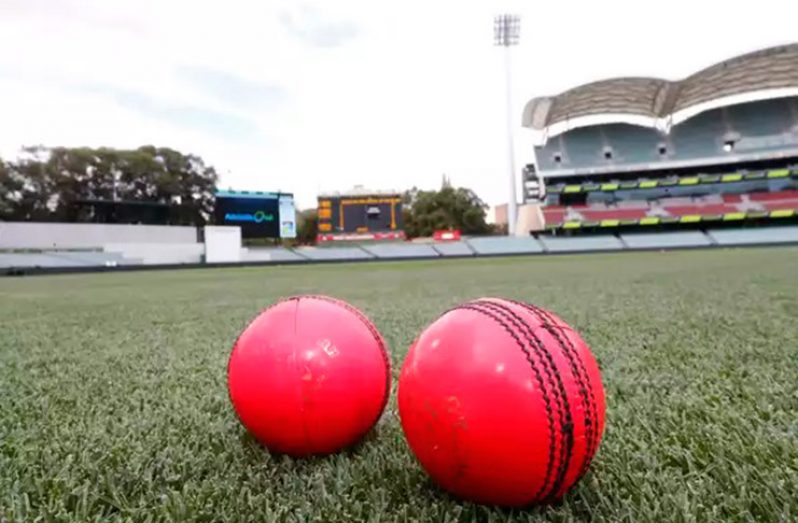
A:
x,y
716,149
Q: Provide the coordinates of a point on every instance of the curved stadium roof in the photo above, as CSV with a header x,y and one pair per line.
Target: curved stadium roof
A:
x,y
768,72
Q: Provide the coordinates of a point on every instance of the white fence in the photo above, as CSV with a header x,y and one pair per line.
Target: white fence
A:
x,y
38,235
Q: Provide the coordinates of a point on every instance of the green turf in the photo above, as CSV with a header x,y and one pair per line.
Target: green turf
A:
x,y
113,401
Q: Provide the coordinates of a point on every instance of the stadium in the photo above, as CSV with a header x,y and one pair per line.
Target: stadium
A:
x,y
717,149
659,219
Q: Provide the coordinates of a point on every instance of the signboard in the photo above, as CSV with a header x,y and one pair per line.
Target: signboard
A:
x,y
363,214
259,214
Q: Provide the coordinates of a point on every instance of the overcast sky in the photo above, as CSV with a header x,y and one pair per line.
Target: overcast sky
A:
x,y
309,96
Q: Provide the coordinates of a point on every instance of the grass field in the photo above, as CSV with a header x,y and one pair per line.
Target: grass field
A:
x,y
113,400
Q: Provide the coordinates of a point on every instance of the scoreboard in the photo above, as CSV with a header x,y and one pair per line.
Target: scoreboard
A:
x,y
361,214
259,214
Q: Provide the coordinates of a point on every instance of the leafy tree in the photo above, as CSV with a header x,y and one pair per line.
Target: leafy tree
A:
x,y
26,189
447,208
9,192
46,183
307,226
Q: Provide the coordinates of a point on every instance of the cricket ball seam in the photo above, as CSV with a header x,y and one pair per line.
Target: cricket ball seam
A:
x,y
582,378
541,384
566,418
592,405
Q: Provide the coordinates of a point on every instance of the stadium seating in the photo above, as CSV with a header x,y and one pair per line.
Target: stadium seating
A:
x,y
756,127
270,254
453,249
159,253
633,144
505,245
333,253
699,137
763,118
587,243
580,147
401,250
665,240
64,259
585,147
754,236
598,214
678,207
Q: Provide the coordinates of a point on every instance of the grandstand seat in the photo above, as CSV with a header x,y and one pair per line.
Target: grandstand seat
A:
x,y
686,210
333,253
732,198
269,254
756,236
613,214
586,243
699,136
631,204
405,250
781,204
65,259
770,196
505,245
664,240
762,118
582,148
706,205
632,144
554,214
159,253
453,249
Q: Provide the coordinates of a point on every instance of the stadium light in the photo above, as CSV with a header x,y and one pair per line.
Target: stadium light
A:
x,y
506,33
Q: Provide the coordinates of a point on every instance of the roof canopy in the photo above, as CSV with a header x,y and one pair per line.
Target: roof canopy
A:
x,y
647,101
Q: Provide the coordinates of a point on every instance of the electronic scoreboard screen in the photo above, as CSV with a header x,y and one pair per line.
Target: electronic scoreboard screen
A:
x,y
259,214
359,214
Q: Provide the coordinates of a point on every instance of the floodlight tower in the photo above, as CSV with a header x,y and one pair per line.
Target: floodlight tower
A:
x,y
506,33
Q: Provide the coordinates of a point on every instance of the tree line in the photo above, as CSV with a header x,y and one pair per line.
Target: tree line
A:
x,y
59,184
55,184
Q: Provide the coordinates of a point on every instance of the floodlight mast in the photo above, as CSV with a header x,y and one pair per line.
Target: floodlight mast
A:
x,y
506,33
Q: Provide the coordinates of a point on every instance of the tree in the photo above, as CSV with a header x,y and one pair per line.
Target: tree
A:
x,y
307,226
26,189
9,192
447,208
47,183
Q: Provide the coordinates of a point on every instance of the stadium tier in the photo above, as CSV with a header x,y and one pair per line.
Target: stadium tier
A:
x,y
718,146
748,130
683,210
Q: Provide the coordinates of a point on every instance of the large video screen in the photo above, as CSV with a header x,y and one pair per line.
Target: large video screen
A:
x,y
259,214
360,214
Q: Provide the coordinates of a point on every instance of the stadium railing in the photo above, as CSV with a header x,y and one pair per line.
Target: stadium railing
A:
x,y
718,182
664,240
504,245
708,208
390,251
159,253
587,243
333,253
53,259
269,254
757,236
453,249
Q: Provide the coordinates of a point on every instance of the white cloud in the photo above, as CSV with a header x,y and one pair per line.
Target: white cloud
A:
x,y
384,94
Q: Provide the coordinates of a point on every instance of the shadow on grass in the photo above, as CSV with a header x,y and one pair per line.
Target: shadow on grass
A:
x,y
405,484
256,450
